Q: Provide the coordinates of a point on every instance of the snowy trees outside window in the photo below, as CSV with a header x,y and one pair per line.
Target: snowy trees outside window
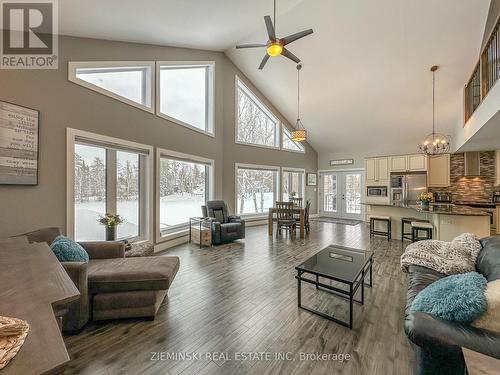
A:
x,y
255,124
93,187
256,190
183,190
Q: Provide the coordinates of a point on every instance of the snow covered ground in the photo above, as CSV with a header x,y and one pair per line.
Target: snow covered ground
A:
x,y
174,210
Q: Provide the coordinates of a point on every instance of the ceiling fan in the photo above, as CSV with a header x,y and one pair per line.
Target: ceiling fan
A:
x,y
276,46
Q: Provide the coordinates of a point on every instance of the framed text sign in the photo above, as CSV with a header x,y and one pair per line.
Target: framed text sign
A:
x,y
18,145
341,162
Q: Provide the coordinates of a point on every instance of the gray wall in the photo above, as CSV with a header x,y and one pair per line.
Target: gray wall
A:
x,y
63,104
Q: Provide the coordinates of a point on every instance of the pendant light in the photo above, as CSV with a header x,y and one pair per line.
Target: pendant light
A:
x,y
300,133
434,143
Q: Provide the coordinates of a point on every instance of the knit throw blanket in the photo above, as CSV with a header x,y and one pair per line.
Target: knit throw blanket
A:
x,y
449,258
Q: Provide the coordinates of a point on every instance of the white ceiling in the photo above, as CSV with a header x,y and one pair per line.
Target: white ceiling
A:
x,y
366,85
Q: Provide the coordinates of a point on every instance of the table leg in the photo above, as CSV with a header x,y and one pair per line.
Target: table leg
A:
x,y
317,281
299,291
189,230
302,224
200,236
270,222
371,272
350,307
363,287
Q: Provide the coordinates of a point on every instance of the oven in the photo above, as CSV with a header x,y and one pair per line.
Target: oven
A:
x,y
376,191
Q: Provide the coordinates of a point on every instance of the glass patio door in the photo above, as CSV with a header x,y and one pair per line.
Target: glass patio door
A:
x,y
340,194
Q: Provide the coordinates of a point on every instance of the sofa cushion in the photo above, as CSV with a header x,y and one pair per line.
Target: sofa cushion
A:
x,y
129,274
458,298
47,235
67,250
418,279
488,260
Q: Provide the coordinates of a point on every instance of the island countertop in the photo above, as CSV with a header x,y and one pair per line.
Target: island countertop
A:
x,y
437,209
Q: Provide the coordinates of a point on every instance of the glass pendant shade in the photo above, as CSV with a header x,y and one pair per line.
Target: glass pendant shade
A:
x,y
300,133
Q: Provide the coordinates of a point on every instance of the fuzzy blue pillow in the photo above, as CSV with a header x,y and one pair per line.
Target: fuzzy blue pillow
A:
x,y
457,298
67,250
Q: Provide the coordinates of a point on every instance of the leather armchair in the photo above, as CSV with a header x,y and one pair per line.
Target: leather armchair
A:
x,y
225,228
437,342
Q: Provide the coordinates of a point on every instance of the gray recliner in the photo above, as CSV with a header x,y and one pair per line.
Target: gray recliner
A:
x,y
225,228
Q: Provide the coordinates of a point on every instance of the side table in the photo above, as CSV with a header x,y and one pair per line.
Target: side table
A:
x,y
200,231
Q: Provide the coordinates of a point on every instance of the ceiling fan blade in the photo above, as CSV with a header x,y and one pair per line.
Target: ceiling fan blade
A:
x,y
293,37
270,28
264,61
254,45
290,55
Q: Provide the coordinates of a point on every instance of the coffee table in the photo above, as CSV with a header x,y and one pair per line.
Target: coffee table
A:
x,y
341,264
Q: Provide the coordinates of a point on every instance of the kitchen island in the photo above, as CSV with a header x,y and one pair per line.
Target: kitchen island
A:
x,y
448,221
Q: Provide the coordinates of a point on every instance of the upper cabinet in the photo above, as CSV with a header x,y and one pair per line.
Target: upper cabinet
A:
x,y
438,171
377,170
497,170
408,163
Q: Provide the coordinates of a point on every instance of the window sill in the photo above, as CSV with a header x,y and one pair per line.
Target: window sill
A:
x,y
173,235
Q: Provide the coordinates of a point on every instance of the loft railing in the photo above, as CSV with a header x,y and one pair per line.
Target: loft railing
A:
x,y
485,75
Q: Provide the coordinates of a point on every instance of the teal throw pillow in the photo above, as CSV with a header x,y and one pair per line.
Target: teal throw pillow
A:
x,y
67,250
458,298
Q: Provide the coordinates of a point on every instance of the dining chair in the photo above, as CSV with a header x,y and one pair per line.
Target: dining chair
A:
x,y
296,201
306,216
284,218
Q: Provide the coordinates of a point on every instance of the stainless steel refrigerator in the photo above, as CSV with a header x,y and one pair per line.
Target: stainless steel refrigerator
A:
x,y
405,188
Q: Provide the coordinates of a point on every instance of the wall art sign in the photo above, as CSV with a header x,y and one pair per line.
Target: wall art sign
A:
x,y
18,145
341,162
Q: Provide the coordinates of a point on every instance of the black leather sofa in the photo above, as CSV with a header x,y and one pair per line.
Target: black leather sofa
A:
x,y
438,343
225,228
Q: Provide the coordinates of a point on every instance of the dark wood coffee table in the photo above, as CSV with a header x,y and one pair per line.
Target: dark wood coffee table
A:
x,y
341,264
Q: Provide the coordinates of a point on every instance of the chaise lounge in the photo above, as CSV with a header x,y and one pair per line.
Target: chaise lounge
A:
x,y
112,286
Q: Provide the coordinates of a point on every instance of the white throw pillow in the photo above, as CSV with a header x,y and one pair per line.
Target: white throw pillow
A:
x,y
490,320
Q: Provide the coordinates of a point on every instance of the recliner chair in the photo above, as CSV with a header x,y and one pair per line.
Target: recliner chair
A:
x,y
225,228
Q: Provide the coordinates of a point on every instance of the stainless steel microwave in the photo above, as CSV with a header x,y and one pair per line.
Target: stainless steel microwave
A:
x,y
376,191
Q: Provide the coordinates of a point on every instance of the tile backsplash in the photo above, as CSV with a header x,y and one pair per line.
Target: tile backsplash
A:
x,y
471,189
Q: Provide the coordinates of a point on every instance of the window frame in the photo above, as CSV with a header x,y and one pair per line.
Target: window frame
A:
x,y
294,170
285,132
258,102
148,86
74,136
182,229
255,167
209,94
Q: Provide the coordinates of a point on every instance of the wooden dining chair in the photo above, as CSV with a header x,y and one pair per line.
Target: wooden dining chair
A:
x,y
284,218
296,201
306,216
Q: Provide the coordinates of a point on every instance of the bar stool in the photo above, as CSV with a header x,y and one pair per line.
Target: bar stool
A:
x,y
383,219
408,221
417,226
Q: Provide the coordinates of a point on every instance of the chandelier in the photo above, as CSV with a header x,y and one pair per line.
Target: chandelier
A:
x,y
299,134
434,143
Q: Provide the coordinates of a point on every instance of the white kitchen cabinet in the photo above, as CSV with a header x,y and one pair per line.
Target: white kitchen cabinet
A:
x,y
408,163
377,170
438,171
497,168
370,170
417,163
398,163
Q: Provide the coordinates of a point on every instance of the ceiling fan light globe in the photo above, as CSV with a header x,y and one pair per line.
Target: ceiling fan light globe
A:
x,y
274,49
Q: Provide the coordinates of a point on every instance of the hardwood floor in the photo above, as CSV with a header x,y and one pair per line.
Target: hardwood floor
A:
x,y
242,297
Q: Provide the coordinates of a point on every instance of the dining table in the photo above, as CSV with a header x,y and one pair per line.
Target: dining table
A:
x,y
297,210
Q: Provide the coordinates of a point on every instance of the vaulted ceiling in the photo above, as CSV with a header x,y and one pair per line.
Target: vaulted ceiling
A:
x,y
366,85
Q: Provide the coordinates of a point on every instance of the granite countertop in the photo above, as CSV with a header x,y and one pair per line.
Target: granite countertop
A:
x,y
439,210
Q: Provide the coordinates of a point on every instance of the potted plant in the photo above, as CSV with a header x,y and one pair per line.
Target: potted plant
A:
x,y
425,199
110,221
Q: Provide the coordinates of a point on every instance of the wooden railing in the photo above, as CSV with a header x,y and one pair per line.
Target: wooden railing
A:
x,y
485,75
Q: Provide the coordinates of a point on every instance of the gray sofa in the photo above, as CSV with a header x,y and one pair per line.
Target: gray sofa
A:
x,y
225,228
438,343
112,286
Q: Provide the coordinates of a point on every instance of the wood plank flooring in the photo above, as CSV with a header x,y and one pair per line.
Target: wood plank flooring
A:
x,y
242,297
